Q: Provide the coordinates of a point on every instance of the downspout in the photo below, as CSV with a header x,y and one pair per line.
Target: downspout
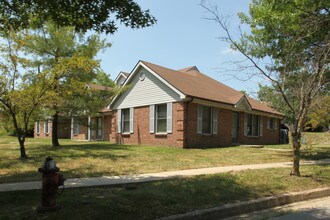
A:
x,y
186,123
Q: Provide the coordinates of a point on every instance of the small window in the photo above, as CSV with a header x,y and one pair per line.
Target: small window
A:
x,y
161,118
206,119
253,125
38,127
76,127
125,117
271,123
46,127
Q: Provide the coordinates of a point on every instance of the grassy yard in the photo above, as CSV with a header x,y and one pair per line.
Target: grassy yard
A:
x,y
85,159
163,198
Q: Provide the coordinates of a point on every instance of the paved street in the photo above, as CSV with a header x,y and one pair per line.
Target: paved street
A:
x,y
307,210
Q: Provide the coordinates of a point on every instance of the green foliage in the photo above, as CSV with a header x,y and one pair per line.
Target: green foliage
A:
x,y
320,113
68,58
98,15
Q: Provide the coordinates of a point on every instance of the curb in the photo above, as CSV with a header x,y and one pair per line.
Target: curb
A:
x,y
230,210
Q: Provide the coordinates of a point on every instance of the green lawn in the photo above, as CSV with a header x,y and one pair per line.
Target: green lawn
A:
x,y
163,198
85,159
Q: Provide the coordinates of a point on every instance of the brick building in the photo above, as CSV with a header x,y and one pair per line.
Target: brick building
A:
x,y
180,108
185,108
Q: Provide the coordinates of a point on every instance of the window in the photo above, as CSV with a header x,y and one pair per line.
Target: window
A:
x,y
161,118
125,115
252,125
99,127
46,127
271,124
207,120
38,127
76,127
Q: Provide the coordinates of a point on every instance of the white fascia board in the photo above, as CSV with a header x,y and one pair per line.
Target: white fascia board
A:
x,y
119,75
135,70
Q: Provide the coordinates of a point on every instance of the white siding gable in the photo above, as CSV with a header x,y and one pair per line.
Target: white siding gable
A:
x,y
148,91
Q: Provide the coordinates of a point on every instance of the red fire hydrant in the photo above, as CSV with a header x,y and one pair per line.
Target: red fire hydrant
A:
x,y
51,180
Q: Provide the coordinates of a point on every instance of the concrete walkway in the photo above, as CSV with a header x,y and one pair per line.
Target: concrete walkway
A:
x,y
119,180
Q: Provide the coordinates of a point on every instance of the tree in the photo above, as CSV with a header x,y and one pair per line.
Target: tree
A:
x,y
319,115
97,15
61,51
293,35
21,94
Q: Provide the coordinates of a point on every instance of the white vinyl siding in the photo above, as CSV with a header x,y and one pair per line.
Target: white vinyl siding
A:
x,y
207,120
150,91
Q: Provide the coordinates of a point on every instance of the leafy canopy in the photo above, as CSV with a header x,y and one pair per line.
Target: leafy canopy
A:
x,y
83,15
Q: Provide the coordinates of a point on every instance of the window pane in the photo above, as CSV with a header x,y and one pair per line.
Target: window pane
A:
x,y
249,124
161,125
206,120
161,111
161,118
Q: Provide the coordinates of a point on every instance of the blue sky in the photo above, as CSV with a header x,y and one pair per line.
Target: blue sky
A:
x,y
182,37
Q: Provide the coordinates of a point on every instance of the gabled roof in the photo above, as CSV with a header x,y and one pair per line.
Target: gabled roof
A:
x,y
121,74
189,82
193,83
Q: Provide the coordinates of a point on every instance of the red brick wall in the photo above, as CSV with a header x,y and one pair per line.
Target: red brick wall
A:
x,y
142,135
42,130
107,127
223,136
268,136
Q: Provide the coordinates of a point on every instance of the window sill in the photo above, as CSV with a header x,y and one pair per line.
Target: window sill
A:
x,y
126,134
161,134
206,134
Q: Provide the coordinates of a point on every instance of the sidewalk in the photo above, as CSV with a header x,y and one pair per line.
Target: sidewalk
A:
x,y
119,180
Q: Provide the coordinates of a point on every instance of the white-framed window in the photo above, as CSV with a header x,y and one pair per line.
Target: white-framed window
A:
x,y
207,120
99,127
38,127
126,120
252,125
271,123
46,127
161,118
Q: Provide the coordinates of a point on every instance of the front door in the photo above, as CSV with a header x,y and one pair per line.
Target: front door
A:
x,y
99,132
234,128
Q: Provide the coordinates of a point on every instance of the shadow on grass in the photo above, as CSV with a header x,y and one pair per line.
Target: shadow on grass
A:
x,y
145,201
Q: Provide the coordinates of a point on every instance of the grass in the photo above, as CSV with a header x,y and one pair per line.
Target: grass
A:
x,y
162,198
87,159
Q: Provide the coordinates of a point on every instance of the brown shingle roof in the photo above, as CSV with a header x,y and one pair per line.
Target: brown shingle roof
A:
x,y
192,83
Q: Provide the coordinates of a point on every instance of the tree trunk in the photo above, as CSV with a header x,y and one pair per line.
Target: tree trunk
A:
x,y
21,141
296,136
55,142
